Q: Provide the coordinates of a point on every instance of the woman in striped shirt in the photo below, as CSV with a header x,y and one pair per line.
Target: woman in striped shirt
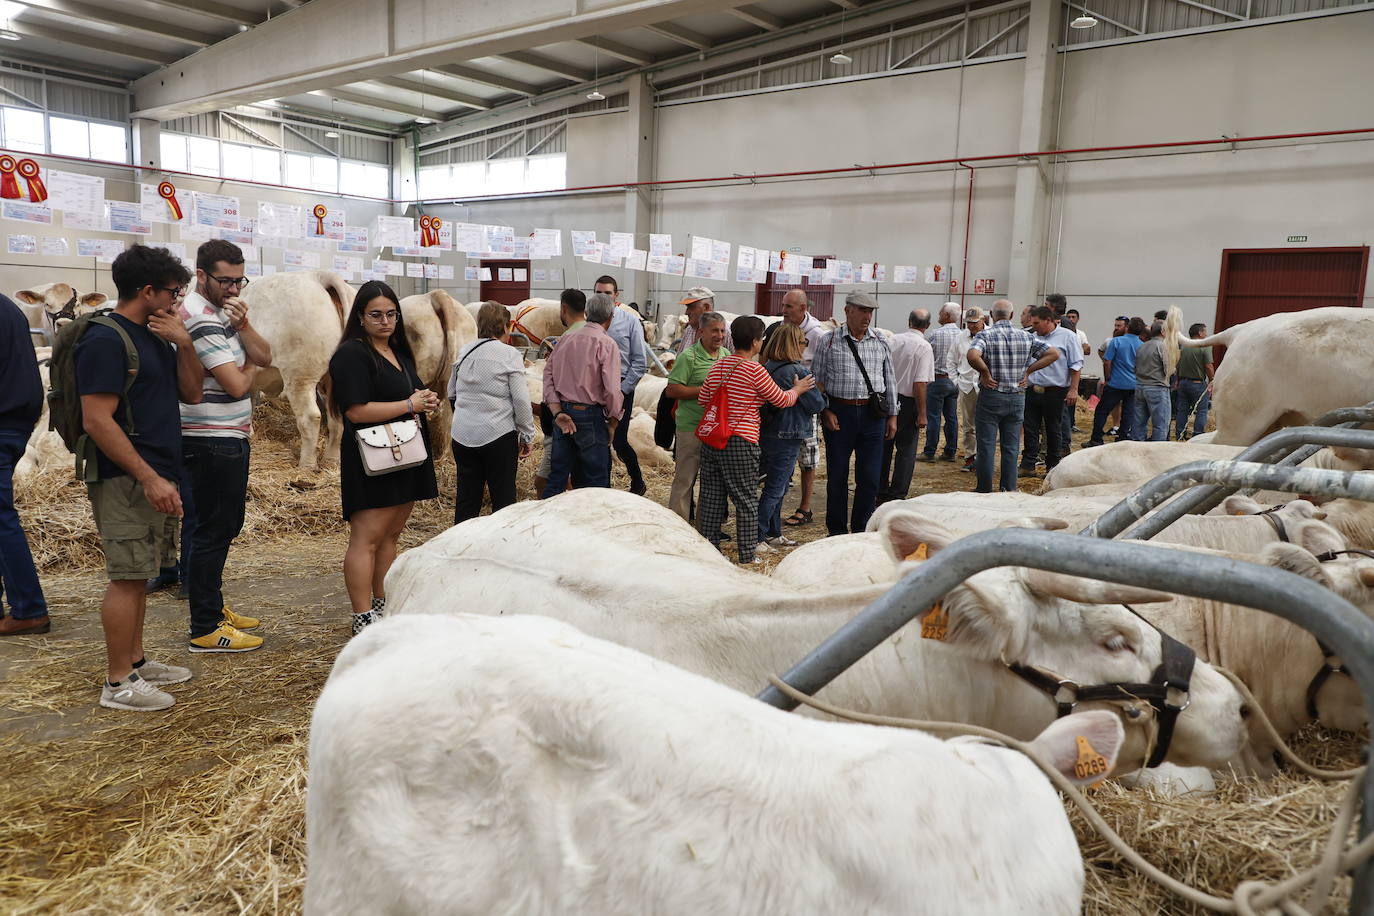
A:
x,y
733,471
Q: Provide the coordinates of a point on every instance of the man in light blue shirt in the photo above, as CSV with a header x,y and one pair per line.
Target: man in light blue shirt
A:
x,y
1049,389
628,335
1118,373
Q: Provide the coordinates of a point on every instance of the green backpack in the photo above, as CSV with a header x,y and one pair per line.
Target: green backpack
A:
x,y
64,403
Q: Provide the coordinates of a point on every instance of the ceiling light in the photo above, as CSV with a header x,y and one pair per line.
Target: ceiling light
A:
x,y
332,134
425,121
841,58
10,35
1083,22
595,95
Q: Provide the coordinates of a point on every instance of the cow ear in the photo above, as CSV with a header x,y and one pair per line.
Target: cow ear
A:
x,y
94,300
1088,591
909,536
1083,746
1316,536
1295,559
28,297
1240,505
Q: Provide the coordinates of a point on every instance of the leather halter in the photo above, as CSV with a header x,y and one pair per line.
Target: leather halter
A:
x,y
1169,680
68,311
515,324
1331,662
1270,516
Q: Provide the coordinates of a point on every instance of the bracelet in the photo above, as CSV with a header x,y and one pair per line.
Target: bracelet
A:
x,y
410,407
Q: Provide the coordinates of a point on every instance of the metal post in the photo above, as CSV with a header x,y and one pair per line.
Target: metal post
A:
x,y
1116,519
1330,618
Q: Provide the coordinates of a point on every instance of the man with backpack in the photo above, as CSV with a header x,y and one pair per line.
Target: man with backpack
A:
x,y
214,442
128,377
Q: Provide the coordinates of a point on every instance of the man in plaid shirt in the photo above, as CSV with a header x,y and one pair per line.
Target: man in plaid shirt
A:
x,y
1003,357
851,426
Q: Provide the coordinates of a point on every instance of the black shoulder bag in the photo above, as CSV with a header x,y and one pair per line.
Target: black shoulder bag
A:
x,y
876,404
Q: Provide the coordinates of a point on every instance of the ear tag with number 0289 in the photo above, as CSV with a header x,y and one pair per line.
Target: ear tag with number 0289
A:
x,y
936,622
1090,763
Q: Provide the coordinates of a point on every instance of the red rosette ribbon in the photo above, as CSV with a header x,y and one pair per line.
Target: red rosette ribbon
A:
x,y
168,192
28,168
320,211
9,185
426,226
434,224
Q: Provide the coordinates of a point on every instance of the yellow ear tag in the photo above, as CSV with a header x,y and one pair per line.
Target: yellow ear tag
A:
x,y
1090,762
918,554
936,623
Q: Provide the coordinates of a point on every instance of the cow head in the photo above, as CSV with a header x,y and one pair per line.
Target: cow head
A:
x,y
1317,552
1077,631
61,303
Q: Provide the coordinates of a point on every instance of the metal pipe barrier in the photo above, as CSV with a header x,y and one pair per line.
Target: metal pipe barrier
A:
x,y
1247,474
1283,446
1326,615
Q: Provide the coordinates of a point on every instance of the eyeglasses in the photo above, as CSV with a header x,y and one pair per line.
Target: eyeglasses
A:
x,y
178,292
240,282
391,315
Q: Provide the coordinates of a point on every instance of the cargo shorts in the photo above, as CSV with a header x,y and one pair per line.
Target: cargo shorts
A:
x,y
137,539
809,457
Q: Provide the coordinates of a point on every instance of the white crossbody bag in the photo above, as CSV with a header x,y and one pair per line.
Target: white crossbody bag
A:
x,y
392,446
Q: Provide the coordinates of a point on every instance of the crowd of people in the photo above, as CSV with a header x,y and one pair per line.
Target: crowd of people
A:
x,y
164,385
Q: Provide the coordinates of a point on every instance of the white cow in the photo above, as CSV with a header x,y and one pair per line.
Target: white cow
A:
x,y
641,438
1288,369
301,314
45,448
1130,464
60,303
471,766
648,392
641,576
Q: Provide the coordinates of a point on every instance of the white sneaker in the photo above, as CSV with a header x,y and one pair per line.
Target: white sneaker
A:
x,y
762,547
781,540
136,694
157,673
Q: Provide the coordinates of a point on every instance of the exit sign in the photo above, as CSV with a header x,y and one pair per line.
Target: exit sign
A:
x,y
1297,238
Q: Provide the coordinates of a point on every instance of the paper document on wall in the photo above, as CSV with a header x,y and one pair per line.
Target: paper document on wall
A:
x,y
217,210
77,219
467,237
103,250
74,193
278,221
390,231
521,275
552,276
471,273
660,245
903,273
252,269
592,252
635,259
816,277
388,268
302,259
355,238
674,265
747,256
521,251
178,250
309,244
621,243
26,212
431,271
504,274
57,247
707,270
546,243
720,251
126,216
445,271
486,275
414,270
22,244
750,275
584,243
500,240
701,248
609,257
241,239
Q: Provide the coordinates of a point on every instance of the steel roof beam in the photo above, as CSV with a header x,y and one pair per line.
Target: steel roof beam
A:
x,y
91,42
755,16
382,104
221,11
549,65
438,92
680,35
91,12
484,78
630,55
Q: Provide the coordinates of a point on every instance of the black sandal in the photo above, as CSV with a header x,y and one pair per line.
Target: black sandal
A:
x,y
798,518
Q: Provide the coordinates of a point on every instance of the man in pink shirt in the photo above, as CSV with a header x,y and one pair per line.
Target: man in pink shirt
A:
x,y
582,389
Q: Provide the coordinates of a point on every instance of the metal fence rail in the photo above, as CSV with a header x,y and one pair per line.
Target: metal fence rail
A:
x,y
1323,613
1286,446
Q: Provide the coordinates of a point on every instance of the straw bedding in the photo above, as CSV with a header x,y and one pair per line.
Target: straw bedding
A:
x,y
201,809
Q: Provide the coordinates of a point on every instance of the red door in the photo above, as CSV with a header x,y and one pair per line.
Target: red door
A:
x,y
1263,281
768,295
504,287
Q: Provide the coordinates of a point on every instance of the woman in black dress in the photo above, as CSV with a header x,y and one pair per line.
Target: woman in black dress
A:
x,y
374,381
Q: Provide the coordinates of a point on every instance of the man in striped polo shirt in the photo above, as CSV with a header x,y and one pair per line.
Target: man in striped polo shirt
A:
x,y
214,442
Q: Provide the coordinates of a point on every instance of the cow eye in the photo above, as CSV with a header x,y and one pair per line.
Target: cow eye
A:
x,y
1117,643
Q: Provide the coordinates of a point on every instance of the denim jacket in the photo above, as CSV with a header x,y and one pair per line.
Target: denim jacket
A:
x,y
789,422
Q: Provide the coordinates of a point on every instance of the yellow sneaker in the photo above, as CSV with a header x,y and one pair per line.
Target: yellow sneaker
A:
x,y
238,621
225,639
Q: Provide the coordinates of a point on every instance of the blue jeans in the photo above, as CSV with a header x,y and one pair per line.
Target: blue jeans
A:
x,y
1191,395
999,414
1152,407
859,437
777,458
585,455
18,577
1109,399
942,400
217,474
894,479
